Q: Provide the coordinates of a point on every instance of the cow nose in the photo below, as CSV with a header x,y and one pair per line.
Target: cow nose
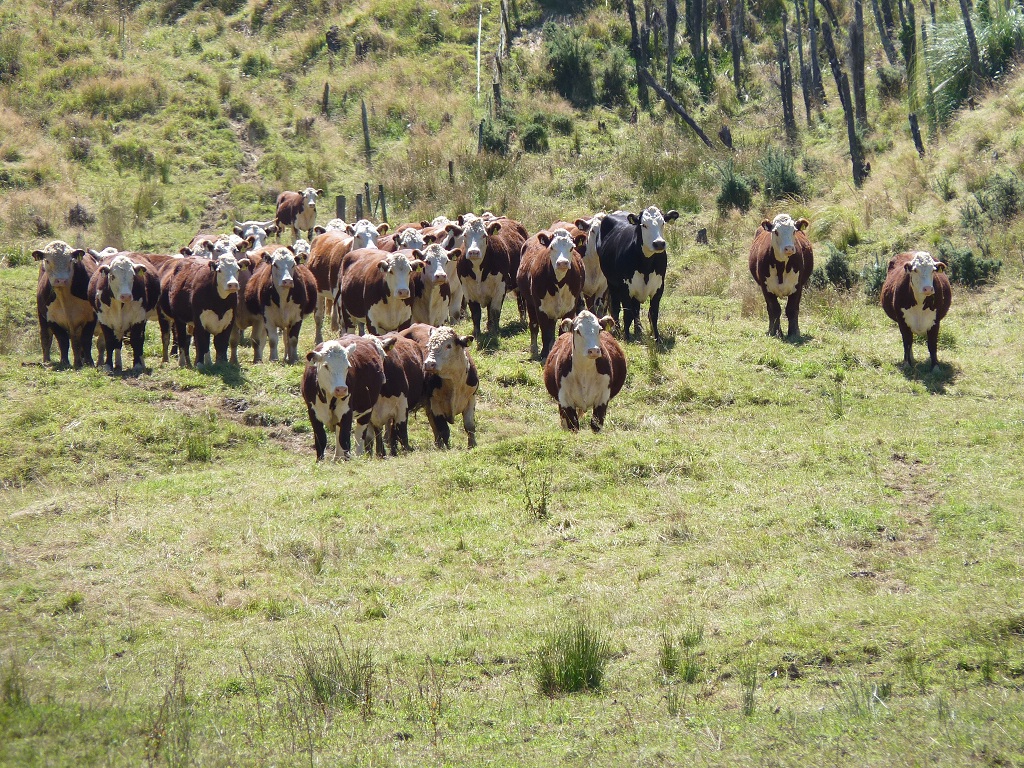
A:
x,y
287,282
441,278
473,253
402,293
594,352
126,297
341,392
233,287
789,250
927,290
60,282
562,264
659,245
430,366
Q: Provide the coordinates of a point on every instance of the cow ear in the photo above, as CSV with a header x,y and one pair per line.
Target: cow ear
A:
x,y
544,239
350,348
583,225
430,239
251,240
672,215
383,227
78,254
300,258
140,269
388,343
766,225
383,265
94,253
493,227
461,220
266,258
319,192
350,229
314,356
581,241
214,266
565,325
417,265
940,266
185,250
38,255
317,230
607,322
424,224
291,248
908,267
802,224
245,263
105,269
271,229
454,254
417,253
632,219
454,229
237,229
463,341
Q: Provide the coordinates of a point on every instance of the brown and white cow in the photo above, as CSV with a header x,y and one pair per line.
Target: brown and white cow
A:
x,y
781,261
200,296
432,288
374,290
62,302
399,239
257,231
297,210
283,291
490,260
551,282
451,381
595,286
124,291
402,392
341,384
585,369
331,226
916,295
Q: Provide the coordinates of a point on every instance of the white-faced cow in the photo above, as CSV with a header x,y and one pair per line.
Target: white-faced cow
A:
x,y
200,296
341,384
283,291
374,290
550,282
297,210
431,288
256,232
632,253
491,249
402,392
595,286
451,380
331,226
916,295
781,261
62,302
124,290
585,369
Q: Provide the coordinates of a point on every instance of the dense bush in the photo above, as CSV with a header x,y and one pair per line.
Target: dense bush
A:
x,y
131,154
615,79
535,138
835,272
872,277
966,268
569,53
255,63
1000,198
779,174
890,82
495,137
735,190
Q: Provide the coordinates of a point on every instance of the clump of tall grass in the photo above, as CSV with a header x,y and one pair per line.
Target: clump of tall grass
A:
x,y
571,658
735,189
13,686
332,673
872,277
836,271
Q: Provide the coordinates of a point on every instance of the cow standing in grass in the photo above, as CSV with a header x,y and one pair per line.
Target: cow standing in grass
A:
x,y
297,210
490,261
781,261
282,291
916,295
124,290
551,282
62,302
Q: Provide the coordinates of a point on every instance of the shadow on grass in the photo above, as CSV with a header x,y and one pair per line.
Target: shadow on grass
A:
x,y
231,374
797,341
934,380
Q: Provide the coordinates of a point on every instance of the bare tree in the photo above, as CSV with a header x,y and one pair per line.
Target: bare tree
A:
x,y
856,38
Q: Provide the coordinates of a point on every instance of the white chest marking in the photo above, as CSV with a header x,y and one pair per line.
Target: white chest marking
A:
x,y
283,316
214,323
432,308
584,387
559,304
594,283
389,315
331,419
642,287
919,319
120,316
388,409
489,292
788,285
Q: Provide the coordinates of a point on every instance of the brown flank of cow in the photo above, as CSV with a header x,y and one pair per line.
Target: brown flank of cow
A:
x,y
363,289
401,394
284,312
549,298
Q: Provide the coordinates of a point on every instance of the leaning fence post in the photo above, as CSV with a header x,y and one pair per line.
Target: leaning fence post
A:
x,y
366,132
383,204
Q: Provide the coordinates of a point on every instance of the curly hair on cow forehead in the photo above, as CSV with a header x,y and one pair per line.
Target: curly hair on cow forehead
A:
x,y
439,336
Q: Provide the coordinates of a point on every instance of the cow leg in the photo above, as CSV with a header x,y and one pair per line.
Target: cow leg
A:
x,y
933,344
220,345
493,318
631,315
272,334
400,434
236,336
259,338
534,330
45,340
475,311
614,304
547,335
202,340
63,344
106,359
319,434
597,420
570,419
793,313
652,313
774,312
908,345
469,424
343,449
165,335
184,340
439,426
378,438
137,337
292,356
521,303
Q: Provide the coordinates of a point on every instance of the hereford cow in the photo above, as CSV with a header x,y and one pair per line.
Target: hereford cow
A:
x,y
585,369
451,381
916,295
341,383
326,253
331,226
200,296
781,261
256,232
374,290
124,290
491,251
283,291
431,288
595,284
62,302
402,392
396,242
550,282
298,211
631,250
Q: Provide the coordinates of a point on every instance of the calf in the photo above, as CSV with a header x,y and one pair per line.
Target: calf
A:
x,y
200,296
401,393
326,253
451,381
550,282
341,383
916,295
124,290
432,288
374,290
62,302
631,250
283,291
781,261
490,261
586,369
298,211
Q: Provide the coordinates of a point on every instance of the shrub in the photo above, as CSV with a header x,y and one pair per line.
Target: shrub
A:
x,y
571,659
966,268
872,277
945,186
496,135
835,272
535,138
779,174
615,79
735,190
1000,197
121,98
10,56
890,82
255,63
131,154
569,53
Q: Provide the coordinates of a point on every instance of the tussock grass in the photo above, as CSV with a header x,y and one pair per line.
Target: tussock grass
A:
x,y
571,658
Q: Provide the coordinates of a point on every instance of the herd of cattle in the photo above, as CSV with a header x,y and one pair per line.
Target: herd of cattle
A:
x,y
404,290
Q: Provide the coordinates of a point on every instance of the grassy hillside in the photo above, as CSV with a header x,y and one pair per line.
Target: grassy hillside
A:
x,y
796,553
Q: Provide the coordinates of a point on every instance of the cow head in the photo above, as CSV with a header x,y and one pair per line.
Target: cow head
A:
x,y
59,260
586,332
331,226
446,353
435,264
309,196
365,234
301,249
397,268
651,223
226,269
282,268
410,239
922,269
257,230
560,246
592,232
331,359
106,253
475,232
121,272
784,230
441,221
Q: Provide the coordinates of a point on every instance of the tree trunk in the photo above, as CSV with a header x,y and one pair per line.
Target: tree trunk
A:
x,y
675,105
804,71
817,86
908,41
635,52
831,11
856,39
843,85
890,25
915,131
737,41
671,19
786,82
972,44
883,34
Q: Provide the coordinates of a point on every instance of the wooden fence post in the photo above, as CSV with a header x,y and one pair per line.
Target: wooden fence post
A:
x,y
359,206
325,107
366,132
339,207
383,203
368,199
451,171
